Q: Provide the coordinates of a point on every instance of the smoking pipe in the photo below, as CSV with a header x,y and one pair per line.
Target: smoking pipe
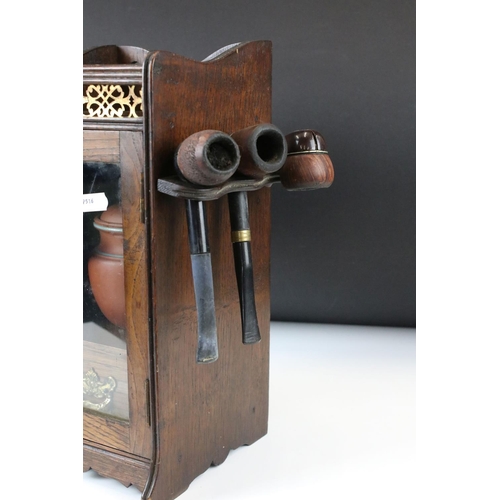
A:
x,y
206,158
308,165
263,151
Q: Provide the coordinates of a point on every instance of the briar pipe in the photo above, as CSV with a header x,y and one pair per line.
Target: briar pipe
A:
x,y
206,158
308,165
263,151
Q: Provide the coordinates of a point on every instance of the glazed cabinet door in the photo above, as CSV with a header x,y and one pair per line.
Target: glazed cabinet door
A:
x,y
115,294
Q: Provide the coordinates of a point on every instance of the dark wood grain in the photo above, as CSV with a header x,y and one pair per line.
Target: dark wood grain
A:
x,y
101,146
306,172
108,431
127,469
204,411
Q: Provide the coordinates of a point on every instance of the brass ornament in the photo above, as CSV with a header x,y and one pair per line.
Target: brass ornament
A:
x,y
112,101
96,394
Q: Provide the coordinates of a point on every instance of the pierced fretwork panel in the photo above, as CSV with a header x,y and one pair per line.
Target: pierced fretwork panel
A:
x,y
112,101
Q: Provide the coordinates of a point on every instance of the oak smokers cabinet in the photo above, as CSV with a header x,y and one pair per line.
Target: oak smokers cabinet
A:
x,y
177,153
154,417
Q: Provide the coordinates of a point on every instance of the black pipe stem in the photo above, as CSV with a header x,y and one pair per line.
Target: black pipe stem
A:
x,y
240,231
201,264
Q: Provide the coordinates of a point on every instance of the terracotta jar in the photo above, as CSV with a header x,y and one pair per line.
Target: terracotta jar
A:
x,y
106,267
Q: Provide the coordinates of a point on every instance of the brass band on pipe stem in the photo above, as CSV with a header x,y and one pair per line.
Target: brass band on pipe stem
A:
x,y
239,236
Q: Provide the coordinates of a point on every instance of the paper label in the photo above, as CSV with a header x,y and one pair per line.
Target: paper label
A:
x,y
95,202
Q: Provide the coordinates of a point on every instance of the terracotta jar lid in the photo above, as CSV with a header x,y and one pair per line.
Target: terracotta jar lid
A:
x,y
110,220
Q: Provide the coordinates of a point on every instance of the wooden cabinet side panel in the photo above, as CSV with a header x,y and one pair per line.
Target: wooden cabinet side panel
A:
x,y
204,411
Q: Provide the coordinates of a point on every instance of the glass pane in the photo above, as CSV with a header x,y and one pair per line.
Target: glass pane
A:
x,y
105,386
